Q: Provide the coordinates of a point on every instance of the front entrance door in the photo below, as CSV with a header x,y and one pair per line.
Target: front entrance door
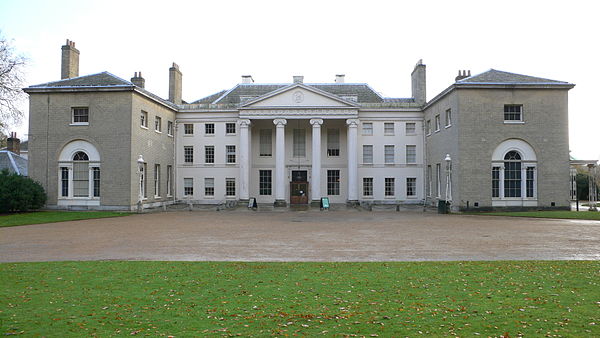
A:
x,y
299,187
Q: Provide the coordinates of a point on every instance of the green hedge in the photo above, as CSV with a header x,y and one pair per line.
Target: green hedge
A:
x,y
19,193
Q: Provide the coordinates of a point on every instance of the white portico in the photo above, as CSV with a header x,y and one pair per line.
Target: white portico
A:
x,y
291,110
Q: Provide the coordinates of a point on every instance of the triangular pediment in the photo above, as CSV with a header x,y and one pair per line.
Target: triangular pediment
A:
x,y
299,95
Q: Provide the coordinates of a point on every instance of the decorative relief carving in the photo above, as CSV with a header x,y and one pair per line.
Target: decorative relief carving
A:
x,y
280,122
352,123
298,112
298,96
244,123
316,122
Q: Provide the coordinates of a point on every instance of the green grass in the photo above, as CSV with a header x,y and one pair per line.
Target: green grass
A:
x,y
531,298
53,216
590,215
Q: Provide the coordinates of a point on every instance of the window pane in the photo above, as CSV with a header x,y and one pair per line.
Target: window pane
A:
x,y
144,119
367,186
169,180
80,115
230,128
512,179
157,180
157,123
188,129
266,142
512,112
411,154
230,186
390,185
188,186
96,176
411,186
411,128
389,154
209,186
299,143
81,176
230,151
209,129
367,128
496,182
388,128
530,180
188,154
448,117
209,154
368,154
265,182
64,178
333,142
333,182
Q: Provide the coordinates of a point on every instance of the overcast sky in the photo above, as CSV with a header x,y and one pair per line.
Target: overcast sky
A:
x,y
374,42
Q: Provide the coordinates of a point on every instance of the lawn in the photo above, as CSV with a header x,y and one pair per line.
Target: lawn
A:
x,y
38,217
590,215
536,298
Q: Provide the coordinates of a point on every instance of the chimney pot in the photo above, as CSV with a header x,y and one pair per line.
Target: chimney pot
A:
x,y
138,80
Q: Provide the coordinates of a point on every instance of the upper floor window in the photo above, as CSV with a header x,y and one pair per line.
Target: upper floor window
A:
x,y
448,117
428,127
368,154
188,154
144,119
367,128
188,129
411,128
170,128
333,142
388,128
266,142
230,154
81,115
389,154
209,129
437,122
209,154
513,112
299,140
158,124
411,153
230,128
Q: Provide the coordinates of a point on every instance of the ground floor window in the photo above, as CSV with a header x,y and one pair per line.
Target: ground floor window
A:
x,y
156,180
230,186
96,177
265,182
514,172
496,182
390,183
367,186
188,186
169,180
333,182
64,181
411,186
209,186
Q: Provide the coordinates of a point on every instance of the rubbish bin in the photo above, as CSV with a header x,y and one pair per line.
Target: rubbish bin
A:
x,y
442,207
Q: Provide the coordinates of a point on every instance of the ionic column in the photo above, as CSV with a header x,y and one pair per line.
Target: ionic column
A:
x,y
352,161
280,162
315,183
244,159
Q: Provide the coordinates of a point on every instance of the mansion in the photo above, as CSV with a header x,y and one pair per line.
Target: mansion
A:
x,y
491,140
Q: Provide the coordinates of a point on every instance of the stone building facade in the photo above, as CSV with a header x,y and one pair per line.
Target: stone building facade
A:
x,y
102,142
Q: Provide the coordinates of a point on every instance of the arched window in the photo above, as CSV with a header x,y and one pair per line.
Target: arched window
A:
x,y
514,174
79,174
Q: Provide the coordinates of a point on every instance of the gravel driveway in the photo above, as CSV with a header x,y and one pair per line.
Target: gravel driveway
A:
x,y
312,235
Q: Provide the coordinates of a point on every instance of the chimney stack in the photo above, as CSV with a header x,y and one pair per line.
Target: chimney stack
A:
x,y
462,75
138,80
175,84
13,143
340,78
247,79
298,79
70,61
418,79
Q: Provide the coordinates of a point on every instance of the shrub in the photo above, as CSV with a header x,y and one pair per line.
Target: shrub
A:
x,y
19,193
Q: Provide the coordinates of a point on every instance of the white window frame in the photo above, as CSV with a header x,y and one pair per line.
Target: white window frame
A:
x,y
367,128
392,187
414,187
368,183
169,128
333,142
73,123
157,180
409,153
227,127
520,120
386,128
389,156
437,123
158,124
144,119
365,154
413,128
230,183
186,186
169,180
185,156
299,143
265,139
209,183
188,129
230,154
448,118
208,127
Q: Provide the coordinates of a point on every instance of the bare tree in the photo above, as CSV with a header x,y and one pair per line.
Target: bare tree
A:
x,y
11,82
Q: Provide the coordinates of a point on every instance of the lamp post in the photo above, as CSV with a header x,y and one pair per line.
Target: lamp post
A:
x,y
140,171
448,179
592,187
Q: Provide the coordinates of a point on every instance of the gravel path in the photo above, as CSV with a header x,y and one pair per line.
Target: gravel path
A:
x,y
312,235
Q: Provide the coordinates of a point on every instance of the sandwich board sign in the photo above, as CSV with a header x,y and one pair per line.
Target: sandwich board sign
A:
x,y
325,202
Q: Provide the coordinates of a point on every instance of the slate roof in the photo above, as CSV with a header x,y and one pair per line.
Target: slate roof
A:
x,y
104,79
363,92
493,76
13,162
